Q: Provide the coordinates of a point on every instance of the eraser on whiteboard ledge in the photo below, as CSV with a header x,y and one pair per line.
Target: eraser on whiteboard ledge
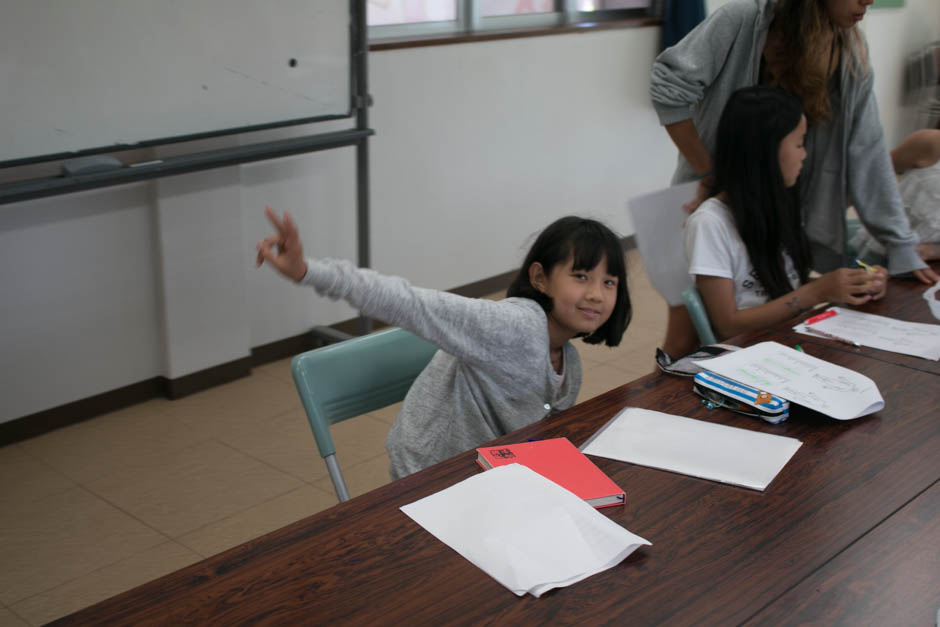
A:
x,y
90,165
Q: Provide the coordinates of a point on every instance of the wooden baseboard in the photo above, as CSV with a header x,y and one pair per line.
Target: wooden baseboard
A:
x,y
86,408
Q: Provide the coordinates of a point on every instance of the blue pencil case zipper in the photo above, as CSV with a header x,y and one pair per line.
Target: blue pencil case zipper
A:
x,y
720,391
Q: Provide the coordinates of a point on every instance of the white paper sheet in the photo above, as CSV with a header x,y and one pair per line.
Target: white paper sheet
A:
x,y
887,334
524,531
658,219
803,379
930,295
693,447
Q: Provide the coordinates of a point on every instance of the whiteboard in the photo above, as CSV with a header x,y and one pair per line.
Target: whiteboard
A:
x,y
85,75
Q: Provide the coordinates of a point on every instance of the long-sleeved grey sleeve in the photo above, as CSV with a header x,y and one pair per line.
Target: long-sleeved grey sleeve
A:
x,y
873,188
683,73
471,329
492,375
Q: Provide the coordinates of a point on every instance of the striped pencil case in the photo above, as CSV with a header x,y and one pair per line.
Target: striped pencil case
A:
x,y
719,391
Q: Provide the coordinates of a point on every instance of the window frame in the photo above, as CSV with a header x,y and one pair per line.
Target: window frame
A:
x,y
469,21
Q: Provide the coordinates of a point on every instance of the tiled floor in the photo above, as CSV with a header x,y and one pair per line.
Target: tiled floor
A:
x,y
99,507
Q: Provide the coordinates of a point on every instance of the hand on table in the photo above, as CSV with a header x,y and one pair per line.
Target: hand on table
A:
x,y
926,275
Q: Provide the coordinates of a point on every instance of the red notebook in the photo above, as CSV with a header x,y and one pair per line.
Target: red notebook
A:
x,y
557,460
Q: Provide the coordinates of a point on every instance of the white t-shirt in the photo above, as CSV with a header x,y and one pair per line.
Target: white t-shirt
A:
x,y
713,247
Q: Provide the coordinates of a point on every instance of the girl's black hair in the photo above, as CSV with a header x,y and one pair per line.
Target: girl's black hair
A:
x,y
587,242
747,170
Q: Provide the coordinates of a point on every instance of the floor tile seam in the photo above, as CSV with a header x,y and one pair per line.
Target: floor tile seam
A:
x,y
72,482
85,483
263,463
95,571
130,515
284,412
15,613
328,481
111,563
183,543
346,468
270,375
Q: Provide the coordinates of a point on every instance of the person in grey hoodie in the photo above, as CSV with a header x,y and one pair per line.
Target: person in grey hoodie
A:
x,y
812,49
501,365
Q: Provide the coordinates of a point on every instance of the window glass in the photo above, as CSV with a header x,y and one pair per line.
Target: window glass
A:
x,y
602,5
489,8
380,12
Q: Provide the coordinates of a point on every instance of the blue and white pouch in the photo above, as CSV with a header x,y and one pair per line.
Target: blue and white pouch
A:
x,y
719,391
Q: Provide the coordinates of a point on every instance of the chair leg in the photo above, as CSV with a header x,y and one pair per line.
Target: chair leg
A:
x,y
332,466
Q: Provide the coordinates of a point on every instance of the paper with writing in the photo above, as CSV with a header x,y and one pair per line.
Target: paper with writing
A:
x,y
693,447
529,534
803,379
887,334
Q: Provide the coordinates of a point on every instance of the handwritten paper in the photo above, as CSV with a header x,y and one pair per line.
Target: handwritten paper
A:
x,y
527,533
693,447
887,334
658,219
803,379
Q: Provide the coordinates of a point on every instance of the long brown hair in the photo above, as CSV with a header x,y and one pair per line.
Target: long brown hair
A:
x,y
803,26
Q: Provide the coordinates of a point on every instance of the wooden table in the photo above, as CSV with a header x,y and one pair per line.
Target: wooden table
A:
x,y
903,301
846,533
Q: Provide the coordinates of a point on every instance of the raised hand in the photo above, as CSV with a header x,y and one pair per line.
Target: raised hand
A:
x,y
284,250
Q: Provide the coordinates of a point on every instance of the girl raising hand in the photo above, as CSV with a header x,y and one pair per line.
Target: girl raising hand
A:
x,y
501,365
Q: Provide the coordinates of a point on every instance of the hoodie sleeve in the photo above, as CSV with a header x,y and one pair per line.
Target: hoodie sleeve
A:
x,y
683,73
872,185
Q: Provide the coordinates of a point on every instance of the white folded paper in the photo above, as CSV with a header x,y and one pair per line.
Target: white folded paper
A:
x,y
803,379
693,447
930,295
658,219
524,531
881,332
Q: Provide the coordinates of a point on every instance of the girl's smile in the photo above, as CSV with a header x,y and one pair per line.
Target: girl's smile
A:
x,y
582,300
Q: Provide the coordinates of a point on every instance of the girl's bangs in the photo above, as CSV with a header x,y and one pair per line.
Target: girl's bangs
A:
x,y
590,245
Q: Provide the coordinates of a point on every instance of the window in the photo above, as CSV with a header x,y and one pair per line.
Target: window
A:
x,y
406,18
489,8
384,12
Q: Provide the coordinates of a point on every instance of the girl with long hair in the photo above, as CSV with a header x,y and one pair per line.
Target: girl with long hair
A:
x,y
814,50
745,244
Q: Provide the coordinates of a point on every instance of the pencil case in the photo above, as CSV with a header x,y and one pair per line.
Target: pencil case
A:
x,y
719,391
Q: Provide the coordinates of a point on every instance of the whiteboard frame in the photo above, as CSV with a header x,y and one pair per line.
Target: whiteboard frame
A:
x,y
355,24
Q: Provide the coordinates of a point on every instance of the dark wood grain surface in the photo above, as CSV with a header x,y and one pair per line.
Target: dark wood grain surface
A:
x,y
903,301
720,554
889,577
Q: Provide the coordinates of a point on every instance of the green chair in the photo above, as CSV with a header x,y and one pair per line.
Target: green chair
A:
x,y
696,308
343,380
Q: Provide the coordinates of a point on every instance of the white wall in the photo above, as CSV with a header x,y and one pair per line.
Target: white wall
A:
x,y
478,146
892,35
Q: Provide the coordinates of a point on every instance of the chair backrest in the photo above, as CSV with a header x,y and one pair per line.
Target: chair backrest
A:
x,y
350,378
698,313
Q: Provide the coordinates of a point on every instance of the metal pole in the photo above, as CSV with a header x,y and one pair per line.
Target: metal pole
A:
x,y
362,101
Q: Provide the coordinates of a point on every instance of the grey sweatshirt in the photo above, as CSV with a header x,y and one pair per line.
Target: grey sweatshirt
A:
x,y
491,375
695,78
